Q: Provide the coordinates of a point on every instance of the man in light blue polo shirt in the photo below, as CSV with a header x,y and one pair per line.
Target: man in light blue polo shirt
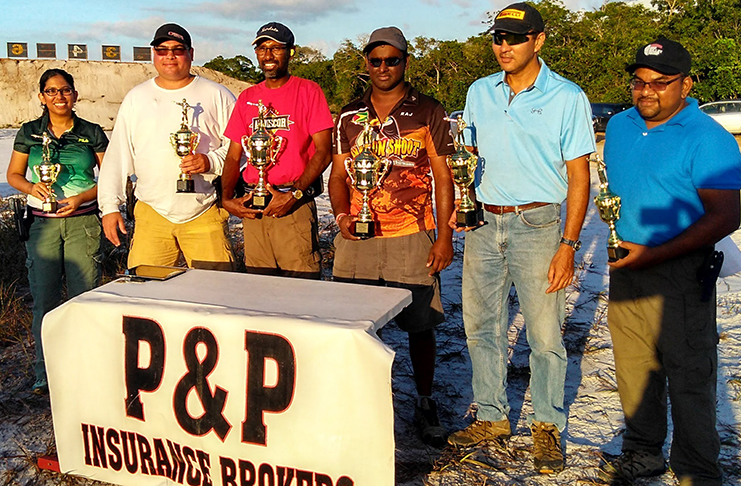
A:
x,y
678,174
532,129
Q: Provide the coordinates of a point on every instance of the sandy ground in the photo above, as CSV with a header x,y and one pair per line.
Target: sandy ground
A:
x,y
595,417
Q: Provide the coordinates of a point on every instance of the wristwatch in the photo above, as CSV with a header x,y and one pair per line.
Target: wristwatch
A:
x,y
573,244
297,193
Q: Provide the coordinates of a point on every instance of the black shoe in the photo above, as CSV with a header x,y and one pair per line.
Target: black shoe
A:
x,y
425,418
631,465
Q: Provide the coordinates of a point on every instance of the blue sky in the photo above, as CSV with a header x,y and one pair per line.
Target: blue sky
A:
x,y
227,27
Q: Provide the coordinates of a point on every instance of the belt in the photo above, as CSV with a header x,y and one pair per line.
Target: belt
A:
x,y
513,209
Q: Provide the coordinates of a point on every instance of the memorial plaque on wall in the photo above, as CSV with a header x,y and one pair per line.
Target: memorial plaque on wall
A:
x,y
142,54
46,50
76,51
17,49
111,53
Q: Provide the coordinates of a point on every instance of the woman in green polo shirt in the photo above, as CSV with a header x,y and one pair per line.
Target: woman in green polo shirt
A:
x,y
63,241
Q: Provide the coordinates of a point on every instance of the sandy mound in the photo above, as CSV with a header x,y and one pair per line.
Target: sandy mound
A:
x,y
101,84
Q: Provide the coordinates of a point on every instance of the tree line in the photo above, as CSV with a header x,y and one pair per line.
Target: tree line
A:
x,y
590,48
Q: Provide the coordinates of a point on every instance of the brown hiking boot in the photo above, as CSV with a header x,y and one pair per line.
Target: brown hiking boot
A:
x,y
480,431
547,452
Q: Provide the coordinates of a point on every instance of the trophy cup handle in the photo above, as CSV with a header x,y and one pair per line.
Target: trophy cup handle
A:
x,y
386,165
278,143
245,146
195,140
348,168
37,171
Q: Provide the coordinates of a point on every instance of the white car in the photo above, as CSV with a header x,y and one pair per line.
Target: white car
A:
x,y
727,113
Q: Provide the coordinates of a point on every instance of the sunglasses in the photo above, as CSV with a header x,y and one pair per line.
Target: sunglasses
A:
x,y
658,86
389,61
177,51
262,50
512,39
52,92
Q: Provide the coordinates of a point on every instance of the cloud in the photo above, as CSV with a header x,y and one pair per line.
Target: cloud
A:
x,y
140,30
298,11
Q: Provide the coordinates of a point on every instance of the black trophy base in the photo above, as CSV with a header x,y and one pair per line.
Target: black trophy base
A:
x,y
363,229
186,186
615,254
469,219
49,206
260,201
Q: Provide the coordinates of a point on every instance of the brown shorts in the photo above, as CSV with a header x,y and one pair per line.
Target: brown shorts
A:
x,y
287,246
395,262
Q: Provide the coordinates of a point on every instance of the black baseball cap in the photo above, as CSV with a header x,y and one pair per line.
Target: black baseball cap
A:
x,y
662,55
171,32
275,31
386,35
518,18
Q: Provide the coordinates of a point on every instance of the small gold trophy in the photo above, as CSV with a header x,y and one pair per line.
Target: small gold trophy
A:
x,y
608,204
185,141
462,164
262,149
366,172
47,174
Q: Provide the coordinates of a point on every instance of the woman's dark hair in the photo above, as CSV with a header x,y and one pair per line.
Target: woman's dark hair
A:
x,y
50,73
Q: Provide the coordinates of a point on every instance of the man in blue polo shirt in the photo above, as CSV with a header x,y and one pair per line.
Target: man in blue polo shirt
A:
x,y
678,174
532,129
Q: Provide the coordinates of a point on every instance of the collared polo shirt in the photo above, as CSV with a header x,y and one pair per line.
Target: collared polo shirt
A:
x,y
524,143
657,172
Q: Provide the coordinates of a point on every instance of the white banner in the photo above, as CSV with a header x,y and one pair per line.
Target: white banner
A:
x,y
226,379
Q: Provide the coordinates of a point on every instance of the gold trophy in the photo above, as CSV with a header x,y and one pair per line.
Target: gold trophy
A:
x,y
366,172
262,149
185,141
462,164
608,204
47,174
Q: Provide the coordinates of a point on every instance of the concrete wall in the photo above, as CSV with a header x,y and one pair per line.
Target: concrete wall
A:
x,y
101,85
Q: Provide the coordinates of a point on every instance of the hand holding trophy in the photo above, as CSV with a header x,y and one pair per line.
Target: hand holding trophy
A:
x,y
462,164
262,149
47,174
366,171
185,141
608,204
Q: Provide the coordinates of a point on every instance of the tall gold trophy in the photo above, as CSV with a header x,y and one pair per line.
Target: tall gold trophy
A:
x,y
48,174
366,171
608,204
185,141
262,149
462,164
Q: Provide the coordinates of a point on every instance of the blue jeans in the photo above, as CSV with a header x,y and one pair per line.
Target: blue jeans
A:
x,y
515,248
57,247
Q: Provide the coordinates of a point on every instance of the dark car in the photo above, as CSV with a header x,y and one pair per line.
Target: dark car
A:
x,y
602,112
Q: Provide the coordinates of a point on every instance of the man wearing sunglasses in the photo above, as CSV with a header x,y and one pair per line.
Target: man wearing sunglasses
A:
x,y
412,134
169,223
533,132
678,174
282,239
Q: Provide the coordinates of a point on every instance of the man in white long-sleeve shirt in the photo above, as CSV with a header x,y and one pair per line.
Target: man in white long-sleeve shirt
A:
x,y
168,222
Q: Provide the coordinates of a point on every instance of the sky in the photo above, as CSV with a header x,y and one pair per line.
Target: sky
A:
x,y
227,27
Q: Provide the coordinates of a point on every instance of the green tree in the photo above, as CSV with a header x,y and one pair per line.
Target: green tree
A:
x,y
239,67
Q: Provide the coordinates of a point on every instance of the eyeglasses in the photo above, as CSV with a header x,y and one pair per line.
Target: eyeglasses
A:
x,y
273,50
389,61
52,92
177,51
512,39
658,86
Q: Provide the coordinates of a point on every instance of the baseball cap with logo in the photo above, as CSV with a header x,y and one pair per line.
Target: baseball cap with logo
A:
x,y
518,18
662,55
386,35
275,31
174,32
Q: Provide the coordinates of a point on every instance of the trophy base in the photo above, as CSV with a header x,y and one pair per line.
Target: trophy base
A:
x,y
49,206
615,254
260,201
363,229
469,219
186,186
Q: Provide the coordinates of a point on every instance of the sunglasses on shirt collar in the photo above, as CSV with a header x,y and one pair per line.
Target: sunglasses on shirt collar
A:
x,y
512,39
